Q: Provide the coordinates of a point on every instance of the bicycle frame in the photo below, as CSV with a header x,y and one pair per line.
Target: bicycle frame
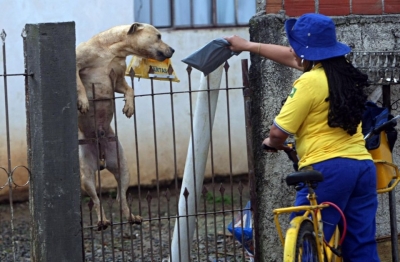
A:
x,y
312,213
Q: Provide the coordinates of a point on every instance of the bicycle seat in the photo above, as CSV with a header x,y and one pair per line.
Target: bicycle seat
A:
x,y
303,176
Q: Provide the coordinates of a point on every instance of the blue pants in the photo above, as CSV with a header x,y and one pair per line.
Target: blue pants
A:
x,y
350,184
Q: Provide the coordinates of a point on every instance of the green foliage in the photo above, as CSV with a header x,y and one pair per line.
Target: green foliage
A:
x,y
217,199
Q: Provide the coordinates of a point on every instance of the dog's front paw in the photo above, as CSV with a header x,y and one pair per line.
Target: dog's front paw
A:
x,y
128,109
136,220
83,105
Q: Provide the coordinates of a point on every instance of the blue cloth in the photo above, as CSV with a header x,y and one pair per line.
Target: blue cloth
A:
x,y
350,184
373,117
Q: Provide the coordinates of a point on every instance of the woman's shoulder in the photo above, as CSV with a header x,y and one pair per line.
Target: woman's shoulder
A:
x,y
311,78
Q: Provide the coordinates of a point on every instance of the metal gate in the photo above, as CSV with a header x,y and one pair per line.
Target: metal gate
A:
x,y
221,202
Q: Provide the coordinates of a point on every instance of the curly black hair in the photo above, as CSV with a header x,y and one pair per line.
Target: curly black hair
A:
x,y
347,94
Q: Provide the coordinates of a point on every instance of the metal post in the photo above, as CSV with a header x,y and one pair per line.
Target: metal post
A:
x,y
55,192
392,196
247,93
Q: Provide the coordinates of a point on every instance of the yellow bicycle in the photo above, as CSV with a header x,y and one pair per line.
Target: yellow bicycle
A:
x,y
304,240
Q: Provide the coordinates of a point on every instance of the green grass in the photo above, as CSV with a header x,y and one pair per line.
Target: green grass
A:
x,y
217,199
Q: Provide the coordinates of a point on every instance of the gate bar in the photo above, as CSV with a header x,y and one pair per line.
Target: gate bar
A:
x,y
386,99
194,171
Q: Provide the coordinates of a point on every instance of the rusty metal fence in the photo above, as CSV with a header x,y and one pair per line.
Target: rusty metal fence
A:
x,y
222,200
13,177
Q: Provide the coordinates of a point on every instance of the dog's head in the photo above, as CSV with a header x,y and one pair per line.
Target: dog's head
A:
x,y
146,42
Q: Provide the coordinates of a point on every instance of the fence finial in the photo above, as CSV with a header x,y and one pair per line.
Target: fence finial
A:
x,y
23,33
3,35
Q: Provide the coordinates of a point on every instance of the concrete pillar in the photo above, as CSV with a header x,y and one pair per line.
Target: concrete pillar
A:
x,y
56,233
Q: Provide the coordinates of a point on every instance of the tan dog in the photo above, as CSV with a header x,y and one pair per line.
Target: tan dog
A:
x,y
95,59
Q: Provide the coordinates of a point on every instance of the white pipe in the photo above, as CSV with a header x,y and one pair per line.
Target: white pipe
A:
x,y
182,238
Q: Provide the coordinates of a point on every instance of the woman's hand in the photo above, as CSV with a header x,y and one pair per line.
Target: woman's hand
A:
x,y
267,146
238,44
276,147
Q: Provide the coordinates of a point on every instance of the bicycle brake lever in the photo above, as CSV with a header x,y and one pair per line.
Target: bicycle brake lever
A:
x,y
292,155
392,122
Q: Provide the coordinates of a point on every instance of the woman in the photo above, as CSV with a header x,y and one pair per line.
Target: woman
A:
x,y
323,112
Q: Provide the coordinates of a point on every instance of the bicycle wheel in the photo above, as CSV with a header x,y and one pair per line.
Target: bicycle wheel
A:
x,y
306,245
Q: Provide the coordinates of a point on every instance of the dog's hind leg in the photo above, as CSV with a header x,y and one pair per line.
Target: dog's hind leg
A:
x,y
88,167
122,176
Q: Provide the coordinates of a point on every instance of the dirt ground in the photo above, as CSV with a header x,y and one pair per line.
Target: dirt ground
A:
x,y
385,249
151,241
212,241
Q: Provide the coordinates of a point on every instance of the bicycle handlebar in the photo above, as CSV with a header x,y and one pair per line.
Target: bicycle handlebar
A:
x,y
291,153
379,129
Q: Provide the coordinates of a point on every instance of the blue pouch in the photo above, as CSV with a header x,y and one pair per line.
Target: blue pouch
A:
x,y
243,233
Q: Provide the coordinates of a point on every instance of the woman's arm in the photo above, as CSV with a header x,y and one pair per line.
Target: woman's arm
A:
x,y
280,54
276,139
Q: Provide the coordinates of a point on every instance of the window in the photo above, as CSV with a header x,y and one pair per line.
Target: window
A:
x,y
194,13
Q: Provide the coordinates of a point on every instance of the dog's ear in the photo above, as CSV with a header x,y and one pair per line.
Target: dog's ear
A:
x,y
134,28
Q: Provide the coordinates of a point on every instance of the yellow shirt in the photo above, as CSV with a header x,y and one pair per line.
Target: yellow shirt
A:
x,y
305,115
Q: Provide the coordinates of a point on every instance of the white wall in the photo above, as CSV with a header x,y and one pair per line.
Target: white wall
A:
x,y
92,17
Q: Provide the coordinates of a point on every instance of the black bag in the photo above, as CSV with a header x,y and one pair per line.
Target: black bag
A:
x,y
211,56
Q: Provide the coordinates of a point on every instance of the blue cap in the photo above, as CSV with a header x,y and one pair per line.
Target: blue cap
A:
x,y
313,37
